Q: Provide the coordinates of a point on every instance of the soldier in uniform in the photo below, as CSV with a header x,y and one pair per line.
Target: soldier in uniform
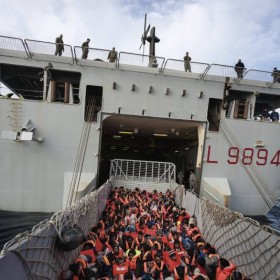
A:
x,y
85,47
112,55
59,45
187,63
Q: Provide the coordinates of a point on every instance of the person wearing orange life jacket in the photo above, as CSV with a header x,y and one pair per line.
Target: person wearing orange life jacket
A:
x,y
120,268
179,249
133,257
195,235
79,267
224,269
98,247
129,243
173,261
190,230
161,268
88,249
140,239
146,270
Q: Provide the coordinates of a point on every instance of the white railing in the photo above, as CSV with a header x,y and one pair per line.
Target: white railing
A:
x,y
143,171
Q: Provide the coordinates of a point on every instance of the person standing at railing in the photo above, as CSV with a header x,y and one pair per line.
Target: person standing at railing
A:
x,y
85,47
239,69
59,45
187,64
112,55
276,75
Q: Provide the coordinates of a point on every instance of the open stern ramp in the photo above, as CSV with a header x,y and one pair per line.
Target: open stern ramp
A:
x,y
146,175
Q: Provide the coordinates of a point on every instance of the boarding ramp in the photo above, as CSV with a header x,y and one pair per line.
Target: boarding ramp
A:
x,y
146,175
255,249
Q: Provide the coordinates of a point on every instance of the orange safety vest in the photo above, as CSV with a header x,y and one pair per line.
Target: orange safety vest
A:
x,y
172,264
120,269
133,263
90,253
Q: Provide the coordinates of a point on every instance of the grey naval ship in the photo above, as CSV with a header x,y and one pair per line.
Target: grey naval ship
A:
x,y
71,127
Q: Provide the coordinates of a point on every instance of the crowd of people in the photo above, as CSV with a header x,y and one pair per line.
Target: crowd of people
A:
x,y
143,235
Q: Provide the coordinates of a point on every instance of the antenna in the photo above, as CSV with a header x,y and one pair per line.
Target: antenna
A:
x,y
144,35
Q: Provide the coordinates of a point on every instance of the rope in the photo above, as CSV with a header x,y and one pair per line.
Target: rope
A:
x,y
72,195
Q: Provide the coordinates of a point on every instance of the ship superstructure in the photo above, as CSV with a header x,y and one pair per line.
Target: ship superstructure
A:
x,y
73,116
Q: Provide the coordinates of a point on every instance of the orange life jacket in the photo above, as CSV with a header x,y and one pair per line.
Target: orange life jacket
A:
x,y
120,269
133,263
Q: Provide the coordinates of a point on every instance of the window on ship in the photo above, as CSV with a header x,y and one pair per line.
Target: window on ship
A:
x,y
268,102
93,103
214,113
238,104
63,86
23,81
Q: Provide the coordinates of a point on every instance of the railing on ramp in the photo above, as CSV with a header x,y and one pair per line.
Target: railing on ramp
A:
x,y
148,175
255,249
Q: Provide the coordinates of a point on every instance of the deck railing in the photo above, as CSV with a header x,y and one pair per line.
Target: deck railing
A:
x,y
143,171
40,50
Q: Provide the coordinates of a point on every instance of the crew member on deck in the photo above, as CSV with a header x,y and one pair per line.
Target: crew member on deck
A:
x,y
276,75
59,45
112,55
187,64
239,68
85,47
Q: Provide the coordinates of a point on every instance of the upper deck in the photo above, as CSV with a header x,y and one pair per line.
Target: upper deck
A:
x,y
44,51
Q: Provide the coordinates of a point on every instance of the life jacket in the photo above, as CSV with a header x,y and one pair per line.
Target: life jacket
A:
x,y
89,252
181,253
223,274
173,263
83,265
151,232
133,263
194,238
120,269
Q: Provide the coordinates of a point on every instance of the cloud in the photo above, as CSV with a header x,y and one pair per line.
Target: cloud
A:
x,y
213,31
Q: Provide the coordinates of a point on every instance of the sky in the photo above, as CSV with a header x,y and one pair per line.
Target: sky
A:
x,y
212,31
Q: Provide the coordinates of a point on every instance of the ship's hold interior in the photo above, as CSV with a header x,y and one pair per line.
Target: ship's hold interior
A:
x,y
151,139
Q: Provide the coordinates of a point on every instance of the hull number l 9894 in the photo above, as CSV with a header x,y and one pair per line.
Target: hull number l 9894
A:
x,y
248,156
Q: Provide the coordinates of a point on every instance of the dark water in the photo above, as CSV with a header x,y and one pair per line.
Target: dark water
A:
x,y
13,223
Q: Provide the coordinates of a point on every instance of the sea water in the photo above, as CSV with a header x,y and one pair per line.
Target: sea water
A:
x,y
13,223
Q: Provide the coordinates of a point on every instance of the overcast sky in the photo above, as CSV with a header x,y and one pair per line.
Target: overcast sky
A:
x,y
212,31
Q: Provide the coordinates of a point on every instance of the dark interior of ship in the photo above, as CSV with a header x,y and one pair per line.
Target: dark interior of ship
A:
x,y
150,139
